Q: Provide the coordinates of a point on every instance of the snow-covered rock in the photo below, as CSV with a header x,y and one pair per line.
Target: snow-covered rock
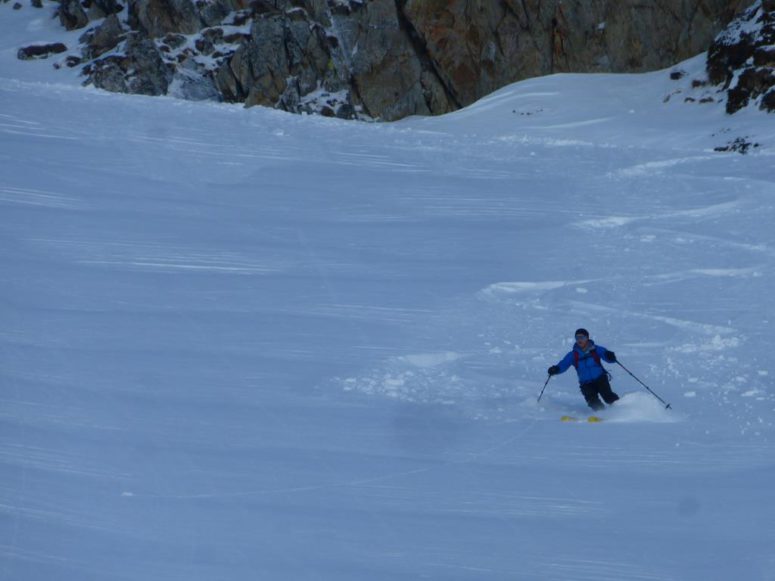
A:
x,y
742,59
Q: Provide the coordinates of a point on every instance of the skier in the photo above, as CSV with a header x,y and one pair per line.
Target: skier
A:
x,y
586,357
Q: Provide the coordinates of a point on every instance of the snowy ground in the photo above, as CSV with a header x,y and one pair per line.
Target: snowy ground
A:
x,y
238,344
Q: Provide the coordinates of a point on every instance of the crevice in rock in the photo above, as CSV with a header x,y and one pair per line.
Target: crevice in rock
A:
x,y
523,21
421,50
359,98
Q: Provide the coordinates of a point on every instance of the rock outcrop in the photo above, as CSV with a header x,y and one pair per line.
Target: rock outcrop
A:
x,y
742,59
381,59
138,68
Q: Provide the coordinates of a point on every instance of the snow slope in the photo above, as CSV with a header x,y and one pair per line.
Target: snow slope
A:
x,y
238,344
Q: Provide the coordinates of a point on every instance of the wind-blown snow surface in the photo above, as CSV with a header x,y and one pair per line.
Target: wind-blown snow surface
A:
x,y
238,344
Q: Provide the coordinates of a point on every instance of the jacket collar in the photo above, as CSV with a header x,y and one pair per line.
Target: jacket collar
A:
x,y
590,346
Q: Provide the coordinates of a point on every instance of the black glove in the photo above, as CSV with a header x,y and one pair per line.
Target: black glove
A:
x,y
610,357
554,370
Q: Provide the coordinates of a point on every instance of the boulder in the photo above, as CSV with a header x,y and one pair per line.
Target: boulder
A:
x,y
155,18
768,101
40,51
102,39
72,15
139,69
102,8
191,83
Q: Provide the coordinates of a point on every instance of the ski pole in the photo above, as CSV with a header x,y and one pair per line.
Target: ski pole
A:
x,y
667,405
544,387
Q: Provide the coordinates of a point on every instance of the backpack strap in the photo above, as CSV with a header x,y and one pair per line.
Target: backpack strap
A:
x,y
595,355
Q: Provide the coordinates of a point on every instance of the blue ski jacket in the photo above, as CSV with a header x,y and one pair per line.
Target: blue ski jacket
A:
x,y
588,369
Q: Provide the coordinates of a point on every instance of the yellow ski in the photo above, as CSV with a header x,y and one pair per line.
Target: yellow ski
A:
x,y
590,419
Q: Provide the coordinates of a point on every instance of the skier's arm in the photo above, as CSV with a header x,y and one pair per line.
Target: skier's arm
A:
x,y
565,362
605,354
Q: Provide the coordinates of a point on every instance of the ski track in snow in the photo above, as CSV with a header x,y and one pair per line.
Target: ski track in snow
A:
x,y
31,197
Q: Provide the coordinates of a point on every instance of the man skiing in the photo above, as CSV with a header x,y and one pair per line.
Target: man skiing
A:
x,y
586,357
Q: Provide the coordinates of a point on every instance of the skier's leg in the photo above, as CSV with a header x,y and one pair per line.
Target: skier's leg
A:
x,y
589,391
604,388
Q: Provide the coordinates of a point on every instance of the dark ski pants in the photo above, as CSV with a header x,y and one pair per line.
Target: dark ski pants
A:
x,y
596,389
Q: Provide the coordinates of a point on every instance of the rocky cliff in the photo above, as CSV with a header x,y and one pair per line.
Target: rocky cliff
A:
x,y
381,59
